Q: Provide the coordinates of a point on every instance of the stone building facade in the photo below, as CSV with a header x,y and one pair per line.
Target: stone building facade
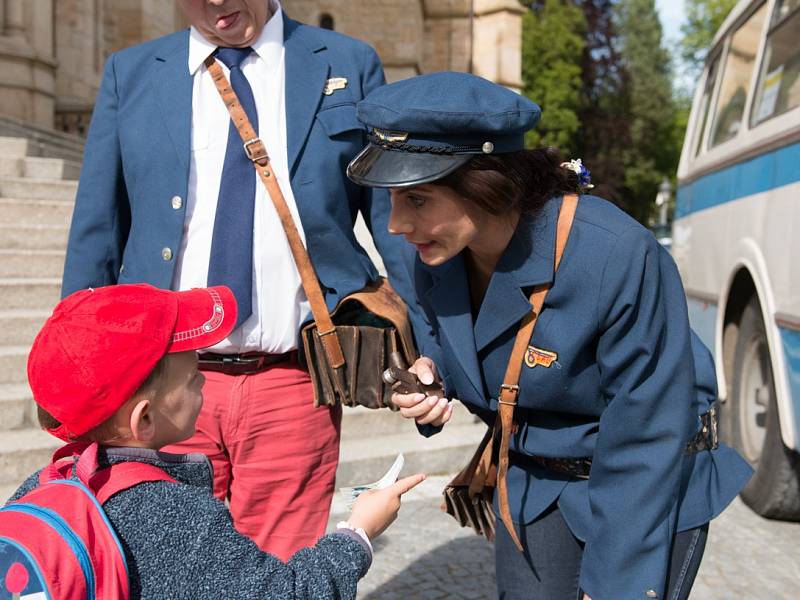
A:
x,y
52,51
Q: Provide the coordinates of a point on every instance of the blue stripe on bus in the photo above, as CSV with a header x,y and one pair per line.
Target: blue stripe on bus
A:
x,y
768,171
791,350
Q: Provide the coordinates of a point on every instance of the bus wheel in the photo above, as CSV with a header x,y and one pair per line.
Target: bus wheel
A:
x,y
774,490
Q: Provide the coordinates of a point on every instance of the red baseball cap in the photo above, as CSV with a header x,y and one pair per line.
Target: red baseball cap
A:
x,y
100,345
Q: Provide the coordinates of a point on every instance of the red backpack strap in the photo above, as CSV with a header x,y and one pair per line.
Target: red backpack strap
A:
x,y
59,468
121,476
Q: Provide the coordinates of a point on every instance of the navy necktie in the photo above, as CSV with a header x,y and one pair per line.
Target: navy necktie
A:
x,y
231,261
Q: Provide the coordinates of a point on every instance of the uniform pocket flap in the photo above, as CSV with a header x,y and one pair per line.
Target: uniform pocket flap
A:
x,y
339,119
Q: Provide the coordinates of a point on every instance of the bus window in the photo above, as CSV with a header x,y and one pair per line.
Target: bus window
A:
x,y
736,79
708,91
779,81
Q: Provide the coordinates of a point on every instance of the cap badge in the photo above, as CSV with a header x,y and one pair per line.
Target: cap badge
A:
x,y
488,147
536,356
333,84
390,136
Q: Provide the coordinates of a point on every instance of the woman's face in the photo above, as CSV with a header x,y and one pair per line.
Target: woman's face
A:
x,y
435,219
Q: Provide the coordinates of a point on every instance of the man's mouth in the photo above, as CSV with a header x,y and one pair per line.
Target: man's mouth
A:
x,y
227,21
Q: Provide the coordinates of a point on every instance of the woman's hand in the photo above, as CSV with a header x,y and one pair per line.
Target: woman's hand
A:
x,y
425,410
375,510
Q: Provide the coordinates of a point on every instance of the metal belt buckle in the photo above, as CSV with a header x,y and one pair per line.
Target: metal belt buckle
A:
x,y
256,150
713,427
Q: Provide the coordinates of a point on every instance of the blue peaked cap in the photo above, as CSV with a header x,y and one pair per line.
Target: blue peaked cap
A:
x,y
423,128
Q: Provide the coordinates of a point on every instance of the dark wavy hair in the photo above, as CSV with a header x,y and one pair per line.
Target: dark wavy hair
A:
x,y
518,181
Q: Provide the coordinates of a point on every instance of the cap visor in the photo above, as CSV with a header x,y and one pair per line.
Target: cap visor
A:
x,y
378,167
206,316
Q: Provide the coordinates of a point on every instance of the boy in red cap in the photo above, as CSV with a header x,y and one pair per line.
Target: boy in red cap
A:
x,y
118,366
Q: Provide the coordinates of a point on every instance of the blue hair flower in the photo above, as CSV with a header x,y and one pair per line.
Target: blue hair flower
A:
x,y
584,176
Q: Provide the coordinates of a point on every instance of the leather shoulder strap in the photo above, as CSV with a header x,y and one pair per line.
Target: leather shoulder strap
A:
x,y
509,390
257,153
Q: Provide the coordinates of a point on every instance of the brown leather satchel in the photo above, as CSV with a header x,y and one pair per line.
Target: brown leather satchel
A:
x,y
345,360
468,497
371,324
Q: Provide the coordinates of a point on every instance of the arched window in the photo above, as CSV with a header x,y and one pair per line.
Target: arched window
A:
x,y
326,21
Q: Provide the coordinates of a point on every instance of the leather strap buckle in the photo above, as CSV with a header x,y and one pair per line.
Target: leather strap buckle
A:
x,y
255,150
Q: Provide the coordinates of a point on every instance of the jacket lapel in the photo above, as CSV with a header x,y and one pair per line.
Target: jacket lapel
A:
x,y
527,262
306,74
172,85
450,300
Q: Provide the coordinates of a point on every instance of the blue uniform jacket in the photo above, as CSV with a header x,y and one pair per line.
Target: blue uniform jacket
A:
x,y
626,388
138,152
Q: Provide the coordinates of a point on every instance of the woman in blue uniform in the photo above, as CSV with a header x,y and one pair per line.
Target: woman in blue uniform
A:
x,y
611,479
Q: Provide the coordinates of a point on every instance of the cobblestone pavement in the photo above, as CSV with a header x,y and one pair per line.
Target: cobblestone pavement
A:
x,y
426,556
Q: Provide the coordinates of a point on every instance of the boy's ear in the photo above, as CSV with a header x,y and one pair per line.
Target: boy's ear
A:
x,y
143,427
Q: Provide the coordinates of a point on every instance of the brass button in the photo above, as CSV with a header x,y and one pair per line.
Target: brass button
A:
x,y
177,202
651,594
166,254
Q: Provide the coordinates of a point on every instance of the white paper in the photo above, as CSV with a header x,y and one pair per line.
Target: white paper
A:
x,y
351,493
769,94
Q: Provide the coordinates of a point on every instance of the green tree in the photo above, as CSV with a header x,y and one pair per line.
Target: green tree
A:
x,y
654,149
703,19
553,39
605,125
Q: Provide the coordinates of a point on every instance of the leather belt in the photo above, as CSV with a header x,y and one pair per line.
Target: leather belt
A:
x,y
243,364
580,468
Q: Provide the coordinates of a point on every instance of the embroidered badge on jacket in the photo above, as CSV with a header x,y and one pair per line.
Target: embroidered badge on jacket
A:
x,y
536,356
333,84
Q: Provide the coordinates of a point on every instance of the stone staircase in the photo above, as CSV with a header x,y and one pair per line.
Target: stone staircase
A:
x,y
36,199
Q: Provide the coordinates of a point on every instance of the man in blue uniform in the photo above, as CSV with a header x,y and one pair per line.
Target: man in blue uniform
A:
x,y
168,197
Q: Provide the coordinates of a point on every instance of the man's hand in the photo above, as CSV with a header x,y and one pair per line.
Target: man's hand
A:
x,y
375,510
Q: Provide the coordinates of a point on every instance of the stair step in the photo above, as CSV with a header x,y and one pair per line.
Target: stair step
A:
x,y
23,452
366,459
13,364
16,406
33,237
31,263
38,167
30,293
13,147
25,211
18,327
50,168
359,422
37,189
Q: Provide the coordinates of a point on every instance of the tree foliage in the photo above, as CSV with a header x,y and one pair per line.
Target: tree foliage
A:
x,y
653,153
703,19
553,39
605,127
600,72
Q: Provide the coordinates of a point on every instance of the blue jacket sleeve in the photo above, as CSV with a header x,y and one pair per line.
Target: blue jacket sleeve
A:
x,y
394,250
645,361
101,218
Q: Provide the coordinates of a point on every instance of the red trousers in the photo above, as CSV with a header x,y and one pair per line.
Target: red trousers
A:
x,y
274,454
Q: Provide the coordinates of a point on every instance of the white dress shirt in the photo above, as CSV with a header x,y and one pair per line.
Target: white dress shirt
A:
x,y
279,303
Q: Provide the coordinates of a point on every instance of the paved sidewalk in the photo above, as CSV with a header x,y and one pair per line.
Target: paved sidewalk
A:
x,y
426,556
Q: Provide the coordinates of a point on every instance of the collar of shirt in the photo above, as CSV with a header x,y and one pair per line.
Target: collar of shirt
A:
x,y
268,46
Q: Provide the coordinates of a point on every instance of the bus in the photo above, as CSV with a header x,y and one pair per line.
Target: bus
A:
x,y
736,240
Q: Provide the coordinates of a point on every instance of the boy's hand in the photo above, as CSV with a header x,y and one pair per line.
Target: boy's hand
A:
x,y
425,410
375,510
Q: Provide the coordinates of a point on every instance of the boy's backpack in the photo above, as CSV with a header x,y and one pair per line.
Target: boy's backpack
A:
x,y
56,542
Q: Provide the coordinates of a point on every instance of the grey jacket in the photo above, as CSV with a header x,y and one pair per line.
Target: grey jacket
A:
x,y
180,542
